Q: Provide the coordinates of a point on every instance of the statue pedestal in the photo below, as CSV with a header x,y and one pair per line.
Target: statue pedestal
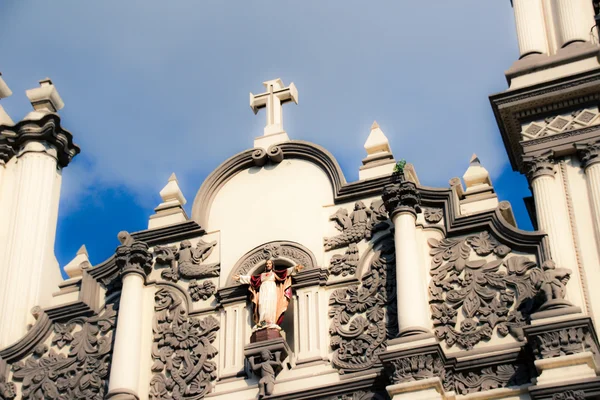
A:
x,y
265,334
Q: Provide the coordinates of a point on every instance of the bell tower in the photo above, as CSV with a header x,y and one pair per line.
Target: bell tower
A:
x,y
550,124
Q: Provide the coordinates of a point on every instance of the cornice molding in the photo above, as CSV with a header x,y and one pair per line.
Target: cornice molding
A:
x,y
47,129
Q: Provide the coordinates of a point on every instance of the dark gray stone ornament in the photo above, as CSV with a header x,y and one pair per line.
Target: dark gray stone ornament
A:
x,y
569,395
361,315
493,294
353,227
182,350
81,373
265,359
403,196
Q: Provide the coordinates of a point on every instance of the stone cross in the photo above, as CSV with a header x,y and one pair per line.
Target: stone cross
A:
x,y
272,99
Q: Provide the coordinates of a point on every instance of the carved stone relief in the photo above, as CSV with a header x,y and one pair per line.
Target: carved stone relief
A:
x,y
433,215
562,342
187,263
476,286
556,124
359,395
362,223
182,350
8,390
81,373
360,314
422,366
569,395
489,378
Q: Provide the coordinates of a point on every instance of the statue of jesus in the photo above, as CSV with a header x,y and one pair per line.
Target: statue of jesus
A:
x,y
271,292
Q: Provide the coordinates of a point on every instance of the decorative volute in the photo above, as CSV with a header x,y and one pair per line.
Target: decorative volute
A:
x,y
380,160
4,92
44,99
81,261
170,211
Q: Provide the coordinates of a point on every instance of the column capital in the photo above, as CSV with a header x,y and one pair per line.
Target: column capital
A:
x,y
133,257
402,197
589,153
536,167
47,129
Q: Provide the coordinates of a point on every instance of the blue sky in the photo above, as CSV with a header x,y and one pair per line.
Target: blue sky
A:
x,y
155,87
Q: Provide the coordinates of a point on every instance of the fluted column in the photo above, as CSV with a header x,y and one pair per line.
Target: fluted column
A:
x,y
402,200
531,29
31,234
135,262
590,161
574,20
553,218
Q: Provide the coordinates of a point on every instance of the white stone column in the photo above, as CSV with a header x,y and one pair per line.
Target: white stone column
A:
x,y
31,235
574,21
135,262
531,29
402,202
553,218
234,320
590,161
310,307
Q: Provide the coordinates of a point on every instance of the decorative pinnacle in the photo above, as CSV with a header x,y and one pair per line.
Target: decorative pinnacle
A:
x,y
4,89
46,97
474,160
375,125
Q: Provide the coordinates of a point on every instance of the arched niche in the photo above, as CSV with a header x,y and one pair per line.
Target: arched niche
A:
x,y
283,253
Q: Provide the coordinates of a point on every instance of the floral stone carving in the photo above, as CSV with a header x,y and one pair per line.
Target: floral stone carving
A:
x,y
345,264
422,366
182,350
562,342
82,373
8,390
359,313
433,215
492,293
203,291
489,378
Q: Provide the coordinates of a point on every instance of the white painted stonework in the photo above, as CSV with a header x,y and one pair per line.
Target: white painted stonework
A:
x,y
400,291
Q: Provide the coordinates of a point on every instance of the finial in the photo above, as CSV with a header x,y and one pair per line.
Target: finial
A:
x,y
476,177
375,125
377,142
4,89
80,262
46,97
171,210
171,193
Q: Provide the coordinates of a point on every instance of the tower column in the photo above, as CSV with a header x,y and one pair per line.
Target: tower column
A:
x,y
531,29
402,200
553,219
135,262
574,21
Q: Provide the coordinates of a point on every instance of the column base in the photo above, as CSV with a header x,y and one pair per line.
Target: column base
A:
x,y
122,394
413,331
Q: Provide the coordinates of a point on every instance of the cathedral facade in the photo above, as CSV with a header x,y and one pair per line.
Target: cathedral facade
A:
x,y
288,282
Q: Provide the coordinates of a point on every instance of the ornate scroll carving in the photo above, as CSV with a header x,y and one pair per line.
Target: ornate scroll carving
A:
x,y
358,327
81,373
182,350
353,226
433,215
539,166
500,376
569,395
492,294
